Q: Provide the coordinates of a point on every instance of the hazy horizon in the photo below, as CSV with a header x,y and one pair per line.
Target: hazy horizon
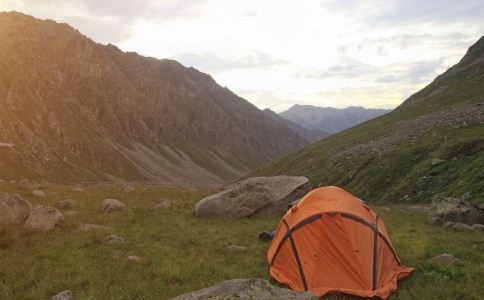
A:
x,y
276,54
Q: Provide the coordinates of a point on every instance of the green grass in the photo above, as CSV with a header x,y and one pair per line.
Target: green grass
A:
x,y
181,253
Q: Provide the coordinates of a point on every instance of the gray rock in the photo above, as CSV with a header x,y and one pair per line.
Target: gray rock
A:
x,y
13,209
92,227
163,205
245,289
445,258
43,218
457,226
7,145
254,196
236,248
133,258
110,205
66,204
70,213
448,209
419,208
115,239
128,189
478,226
38,193
437,161
64,295
29,184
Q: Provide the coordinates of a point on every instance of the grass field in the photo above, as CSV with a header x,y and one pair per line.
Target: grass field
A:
x,y
181,253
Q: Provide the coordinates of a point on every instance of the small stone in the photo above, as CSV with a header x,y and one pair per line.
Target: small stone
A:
x,y
66,204
133,258
478,226
164,204
64,295
39,193
2,181
445,258
129,189
110,205
437,161
115,239
457,226
236,248
77,189
29,185
92,227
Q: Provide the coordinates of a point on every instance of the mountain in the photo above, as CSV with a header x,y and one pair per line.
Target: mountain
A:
x,y
431,144
73,110
330,119
311,135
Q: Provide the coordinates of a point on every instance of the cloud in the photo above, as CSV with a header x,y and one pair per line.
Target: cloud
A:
x,y
213,63
278,53
414,72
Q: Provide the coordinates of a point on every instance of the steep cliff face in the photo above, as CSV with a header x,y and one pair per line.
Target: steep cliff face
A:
x,y
78,110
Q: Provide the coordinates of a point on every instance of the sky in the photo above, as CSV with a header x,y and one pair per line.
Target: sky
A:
x,y
277,53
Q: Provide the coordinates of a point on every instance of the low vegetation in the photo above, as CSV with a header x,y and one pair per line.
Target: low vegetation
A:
x,y
181,253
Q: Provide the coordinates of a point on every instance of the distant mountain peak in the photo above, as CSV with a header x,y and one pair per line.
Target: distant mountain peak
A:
x,y
330,119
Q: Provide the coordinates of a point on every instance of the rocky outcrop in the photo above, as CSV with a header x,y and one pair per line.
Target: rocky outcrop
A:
x,y
43,218
448,209
16,211
13,209
111,205
254,196
254,289
108,114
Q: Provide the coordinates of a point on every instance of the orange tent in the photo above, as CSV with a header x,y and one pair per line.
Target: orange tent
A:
x,y
332,241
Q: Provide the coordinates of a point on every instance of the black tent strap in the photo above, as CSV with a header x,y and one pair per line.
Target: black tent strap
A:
x,y
290,231
298,260
375,228
375,247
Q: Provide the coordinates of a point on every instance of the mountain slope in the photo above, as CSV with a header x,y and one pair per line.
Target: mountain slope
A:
x,y
330,119
78,110
431,144
311,135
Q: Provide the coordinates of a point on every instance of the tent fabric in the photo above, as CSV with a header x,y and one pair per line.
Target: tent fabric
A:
x,y
331,241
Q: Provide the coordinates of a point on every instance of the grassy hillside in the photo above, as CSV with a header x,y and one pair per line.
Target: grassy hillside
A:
x,y
181,253
432,144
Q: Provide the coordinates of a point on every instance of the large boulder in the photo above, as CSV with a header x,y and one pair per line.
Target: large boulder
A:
x,y
110,205
13,209
43,218
448,209
254,196
255,288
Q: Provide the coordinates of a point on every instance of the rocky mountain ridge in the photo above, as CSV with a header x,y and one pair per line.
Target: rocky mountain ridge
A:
x,y
75,110
431,145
